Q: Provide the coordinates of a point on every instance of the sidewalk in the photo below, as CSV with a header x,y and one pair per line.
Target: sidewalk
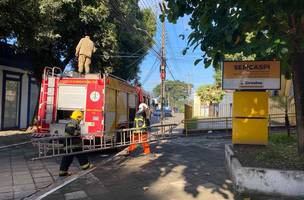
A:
x,y
182,168
20,176
13,137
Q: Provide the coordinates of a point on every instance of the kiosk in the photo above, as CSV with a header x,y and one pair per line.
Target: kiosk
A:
x,y
250,80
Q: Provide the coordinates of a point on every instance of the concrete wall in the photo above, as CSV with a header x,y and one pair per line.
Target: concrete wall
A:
x,y
262,180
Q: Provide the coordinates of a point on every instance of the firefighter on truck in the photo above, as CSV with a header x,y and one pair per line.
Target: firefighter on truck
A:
x,y
72,129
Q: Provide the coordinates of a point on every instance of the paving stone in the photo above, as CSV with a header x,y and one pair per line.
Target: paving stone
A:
x,y
41,185
22,173
6,195
6,183
23,187
39,171
4,189
22,181
41,175
5,175
43,179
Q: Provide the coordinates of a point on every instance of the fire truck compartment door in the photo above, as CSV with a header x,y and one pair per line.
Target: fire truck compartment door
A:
x,y
71,97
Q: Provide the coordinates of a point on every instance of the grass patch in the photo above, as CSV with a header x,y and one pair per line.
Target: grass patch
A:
x,y
280,153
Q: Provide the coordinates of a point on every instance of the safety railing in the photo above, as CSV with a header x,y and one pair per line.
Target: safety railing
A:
x,y
225,123
55,146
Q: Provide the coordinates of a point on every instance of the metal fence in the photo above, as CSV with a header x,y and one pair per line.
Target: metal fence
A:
x,y
275,121
55,146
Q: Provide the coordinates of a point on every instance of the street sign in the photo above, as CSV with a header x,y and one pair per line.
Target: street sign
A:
x,y
251,75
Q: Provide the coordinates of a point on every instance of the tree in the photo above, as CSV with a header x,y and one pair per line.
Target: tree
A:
x,y
49,31
210,94
268,29
176,91
218,78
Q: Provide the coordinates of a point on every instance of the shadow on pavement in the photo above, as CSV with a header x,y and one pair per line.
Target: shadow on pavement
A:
x,y
180,169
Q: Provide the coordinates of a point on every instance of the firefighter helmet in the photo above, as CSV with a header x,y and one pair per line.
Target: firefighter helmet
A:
x,y
77,115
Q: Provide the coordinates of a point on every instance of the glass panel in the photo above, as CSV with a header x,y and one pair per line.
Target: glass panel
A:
x,y
11,109
33,100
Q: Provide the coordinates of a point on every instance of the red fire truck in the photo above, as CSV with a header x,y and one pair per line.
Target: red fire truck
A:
x,y
108,102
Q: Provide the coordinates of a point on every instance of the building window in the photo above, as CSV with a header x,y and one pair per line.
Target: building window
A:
x,y
11,104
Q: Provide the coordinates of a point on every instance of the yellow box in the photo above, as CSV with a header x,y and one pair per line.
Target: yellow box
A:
x,y
250,104
250,131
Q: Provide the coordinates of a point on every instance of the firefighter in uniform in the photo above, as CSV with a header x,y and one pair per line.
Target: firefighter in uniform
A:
x,y
72,129
140,135
84,51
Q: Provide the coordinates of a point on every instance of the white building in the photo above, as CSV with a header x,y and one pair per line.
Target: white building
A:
x,y
222,109
18,89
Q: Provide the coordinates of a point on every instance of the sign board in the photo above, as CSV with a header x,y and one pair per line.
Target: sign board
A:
x,y
251,75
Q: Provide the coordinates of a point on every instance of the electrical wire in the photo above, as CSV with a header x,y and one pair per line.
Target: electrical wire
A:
x,y
170,72
126,22
150,71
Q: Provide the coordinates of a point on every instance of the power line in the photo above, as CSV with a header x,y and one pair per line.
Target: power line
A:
x,y
172,53
170,71
136,60
150,71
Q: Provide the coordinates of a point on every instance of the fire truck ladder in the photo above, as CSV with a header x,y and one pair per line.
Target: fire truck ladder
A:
x,y
47,99
55,146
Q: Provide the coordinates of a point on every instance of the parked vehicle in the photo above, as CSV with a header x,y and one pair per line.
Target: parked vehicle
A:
x,y
156,112
167,112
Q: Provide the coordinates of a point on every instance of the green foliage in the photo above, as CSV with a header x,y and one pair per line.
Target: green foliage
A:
x,y
270,30
176,91
50,29
210,94
239,56
179,90
265,29
280,153
218,78
282,139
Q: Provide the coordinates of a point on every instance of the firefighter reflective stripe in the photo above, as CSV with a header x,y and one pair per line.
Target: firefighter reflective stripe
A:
x,y
63,173
86,166
72,128
140,122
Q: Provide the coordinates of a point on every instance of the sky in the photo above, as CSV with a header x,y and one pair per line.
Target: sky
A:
x,y
181,66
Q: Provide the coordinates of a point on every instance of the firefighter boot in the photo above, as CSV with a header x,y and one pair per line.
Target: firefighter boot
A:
x,y
146,148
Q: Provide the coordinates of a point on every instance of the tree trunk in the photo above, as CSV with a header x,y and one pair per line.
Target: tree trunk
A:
x,y
298,85
287,124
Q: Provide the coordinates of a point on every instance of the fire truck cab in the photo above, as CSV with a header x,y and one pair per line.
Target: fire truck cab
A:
x,y
108,102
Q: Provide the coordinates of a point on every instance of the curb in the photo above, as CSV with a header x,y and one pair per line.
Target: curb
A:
x,y
258,180
61,183
13,145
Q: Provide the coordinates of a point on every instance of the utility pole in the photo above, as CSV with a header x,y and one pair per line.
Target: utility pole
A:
x,y
162,68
